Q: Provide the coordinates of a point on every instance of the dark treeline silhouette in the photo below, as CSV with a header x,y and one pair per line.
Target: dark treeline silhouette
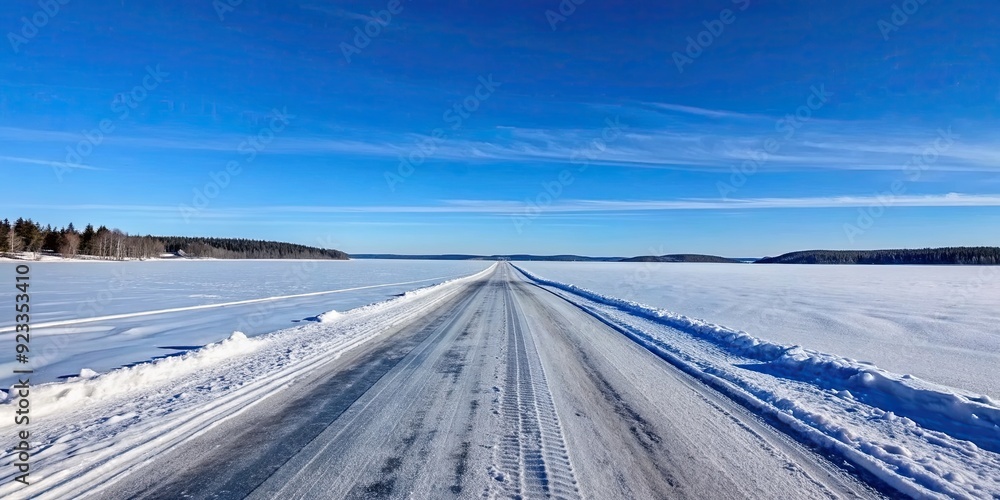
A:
x,y
239,248
26,235
684,257
983,256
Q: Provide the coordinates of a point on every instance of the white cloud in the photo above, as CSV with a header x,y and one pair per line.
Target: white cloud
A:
x,y
46,163
505,207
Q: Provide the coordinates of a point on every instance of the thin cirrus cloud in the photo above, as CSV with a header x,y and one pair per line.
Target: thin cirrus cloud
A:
x,y
335,12
638,149
672,136
46,163
507,207
704,112
944,200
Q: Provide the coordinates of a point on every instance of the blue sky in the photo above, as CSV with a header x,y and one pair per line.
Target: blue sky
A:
x,y
741,128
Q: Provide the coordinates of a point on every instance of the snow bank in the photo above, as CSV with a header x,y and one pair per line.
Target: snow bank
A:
x,y
920,438
963,415
90,386
329,317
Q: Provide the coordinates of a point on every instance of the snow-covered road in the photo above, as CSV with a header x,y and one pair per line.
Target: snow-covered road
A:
x,y
504,390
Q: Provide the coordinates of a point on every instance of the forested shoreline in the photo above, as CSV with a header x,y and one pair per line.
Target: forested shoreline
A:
x,y
26,235
683,258
970,256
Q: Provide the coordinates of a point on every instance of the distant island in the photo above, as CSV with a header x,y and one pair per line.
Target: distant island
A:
x,y
25,235
971,256
683,257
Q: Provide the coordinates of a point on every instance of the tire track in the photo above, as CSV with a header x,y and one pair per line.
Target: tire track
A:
x,y
533,460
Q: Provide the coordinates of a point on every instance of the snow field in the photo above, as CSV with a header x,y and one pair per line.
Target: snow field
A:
x,y
938,323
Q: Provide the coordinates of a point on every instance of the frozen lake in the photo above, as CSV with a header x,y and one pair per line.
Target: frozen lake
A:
x,y
938,323
66,292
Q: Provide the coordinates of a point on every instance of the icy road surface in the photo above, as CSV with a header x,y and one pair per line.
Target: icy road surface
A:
x,y
504,390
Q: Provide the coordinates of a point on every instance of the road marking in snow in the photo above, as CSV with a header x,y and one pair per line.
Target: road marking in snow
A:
x,y
77,321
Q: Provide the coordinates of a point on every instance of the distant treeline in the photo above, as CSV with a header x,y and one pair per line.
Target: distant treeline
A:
x,y
685,257
238,248
26,235
552,258
983,256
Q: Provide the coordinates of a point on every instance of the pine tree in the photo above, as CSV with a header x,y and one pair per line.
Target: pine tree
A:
x,y
51,239
87,240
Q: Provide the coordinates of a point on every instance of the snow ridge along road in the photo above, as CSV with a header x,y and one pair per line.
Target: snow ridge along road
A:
x,y
487,386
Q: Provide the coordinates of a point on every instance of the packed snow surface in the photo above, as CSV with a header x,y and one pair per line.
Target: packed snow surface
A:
x,y
938,323
103,315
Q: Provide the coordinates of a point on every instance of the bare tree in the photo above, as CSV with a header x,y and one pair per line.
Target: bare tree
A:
x,y
69,244
102,244
118,244
35,245
14,243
